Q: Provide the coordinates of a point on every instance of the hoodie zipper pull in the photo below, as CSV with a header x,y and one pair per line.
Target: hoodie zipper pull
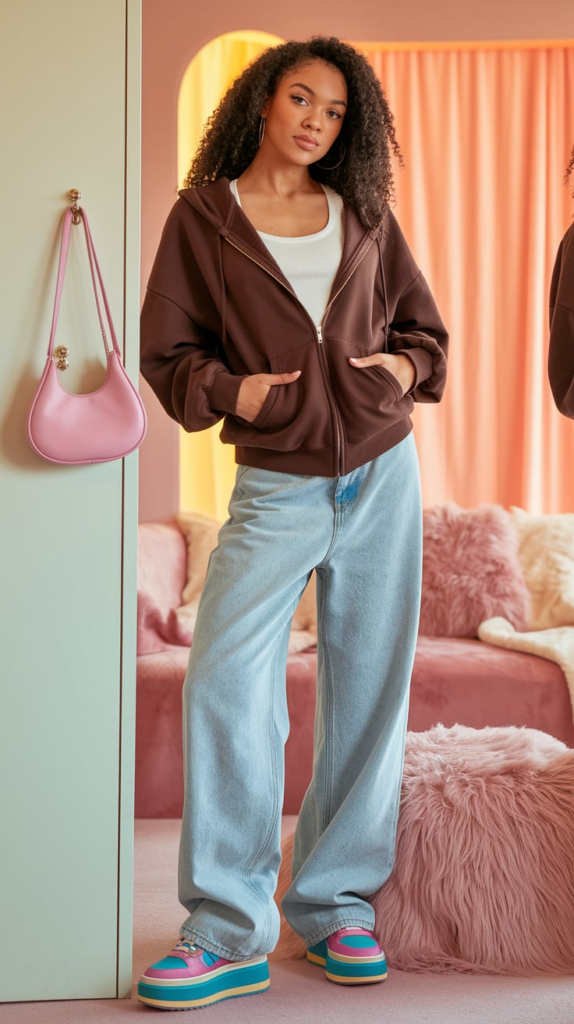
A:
x,y
320,334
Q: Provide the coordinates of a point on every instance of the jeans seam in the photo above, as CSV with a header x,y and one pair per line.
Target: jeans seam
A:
x,y
328,684
398,795
273,820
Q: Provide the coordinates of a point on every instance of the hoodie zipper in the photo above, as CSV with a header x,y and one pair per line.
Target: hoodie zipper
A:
x,y
340,464
318,329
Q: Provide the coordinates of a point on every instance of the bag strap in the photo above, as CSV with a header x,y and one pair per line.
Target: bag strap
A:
x,y
96,279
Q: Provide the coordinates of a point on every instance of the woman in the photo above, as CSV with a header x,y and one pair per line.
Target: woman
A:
x,y
284,299
561,351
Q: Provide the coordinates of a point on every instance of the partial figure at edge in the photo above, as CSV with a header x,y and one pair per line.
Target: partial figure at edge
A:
x,y
561,350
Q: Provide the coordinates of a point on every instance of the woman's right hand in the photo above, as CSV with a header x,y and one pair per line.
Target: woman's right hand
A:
x,y
254,390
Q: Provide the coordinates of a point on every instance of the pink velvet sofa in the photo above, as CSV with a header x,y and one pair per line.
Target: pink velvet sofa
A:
x,y
456,680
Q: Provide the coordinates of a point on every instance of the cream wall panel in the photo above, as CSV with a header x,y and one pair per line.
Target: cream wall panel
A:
x,y
67,542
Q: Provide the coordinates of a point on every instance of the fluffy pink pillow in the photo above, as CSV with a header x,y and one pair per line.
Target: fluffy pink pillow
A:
x,y
471,570
161,577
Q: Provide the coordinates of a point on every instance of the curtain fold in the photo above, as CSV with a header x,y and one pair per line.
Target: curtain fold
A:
x,y
486,132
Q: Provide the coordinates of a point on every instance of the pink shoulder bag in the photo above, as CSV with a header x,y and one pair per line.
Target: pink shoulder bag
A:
x,y
98,427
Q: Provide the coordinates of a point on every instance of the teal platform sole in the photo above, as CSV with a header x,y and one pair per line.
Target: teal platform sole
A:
x,y
241,981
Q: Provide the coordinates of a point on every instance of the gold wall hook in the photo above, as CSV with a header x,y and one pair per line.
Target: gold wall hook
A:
x,y
73,196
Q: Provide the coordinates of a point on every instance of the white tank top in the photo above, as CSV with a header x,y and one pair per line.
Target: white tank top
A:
x,y
309,262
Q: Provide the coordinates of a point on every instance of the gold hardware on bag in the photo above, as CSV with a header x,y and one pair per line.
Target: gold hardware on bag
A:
x,y
61,354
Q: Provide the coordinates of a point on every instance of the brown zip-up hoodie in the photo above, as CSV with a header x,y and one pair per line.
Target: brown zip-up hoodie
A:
x,y
561,351
218,308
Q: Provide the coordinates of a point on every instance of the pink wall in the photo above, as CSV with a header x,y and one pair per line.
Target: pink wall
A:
x,y
174,31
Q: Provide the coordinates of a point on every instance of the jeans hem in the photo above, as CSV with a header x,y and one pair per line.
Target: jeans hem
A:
x,y
334,926
216,949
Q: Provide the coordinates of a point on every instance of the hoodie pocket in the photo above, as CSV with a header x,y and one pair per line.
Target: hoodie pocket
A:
x,y
294,415
369,397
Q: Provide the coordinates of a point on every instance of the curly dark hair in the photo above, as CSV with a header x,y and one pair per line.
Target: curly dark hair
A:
x,y
569,171
363,178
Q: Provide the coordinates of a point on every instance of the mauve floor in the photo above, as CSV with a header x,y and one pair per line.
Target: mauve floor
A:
x,y
299,993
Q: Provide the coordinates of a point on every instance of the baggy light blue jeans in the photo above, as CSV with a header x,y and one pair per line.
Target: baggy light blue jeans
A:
x,y
362,533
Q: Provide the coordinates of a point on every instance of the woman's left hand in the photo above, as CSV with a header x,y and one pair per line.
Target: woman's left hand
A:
x,y
400,366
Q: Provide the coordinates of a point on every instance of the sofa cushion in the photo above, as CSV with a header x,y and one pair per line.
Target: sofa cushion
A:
x,y
459,680
471,570
159,749
454,680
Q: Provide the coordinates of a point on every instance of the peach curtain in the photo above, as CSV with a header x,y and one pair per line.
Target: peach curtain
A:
x,y
486,135
486,131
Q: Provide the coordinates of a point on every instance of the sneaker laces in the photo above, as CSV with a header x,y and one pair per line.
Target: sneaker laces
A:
x,y
189,948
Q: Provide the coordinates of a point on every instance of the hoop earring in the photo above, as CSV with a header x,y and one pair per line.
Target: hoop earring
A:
x,y
339,161
262,123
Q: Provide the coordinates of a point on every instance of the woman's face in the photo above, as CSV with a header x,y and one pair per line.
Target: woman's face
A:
x,y
305,114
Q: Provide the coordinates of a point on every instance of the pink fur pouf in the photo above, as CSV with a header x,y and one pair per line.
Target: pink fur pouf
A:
x,y
484,873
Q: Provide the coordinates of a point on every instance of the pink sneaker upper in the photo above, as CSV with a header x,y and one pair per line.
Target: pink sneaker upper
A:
x,y
186,961
354,942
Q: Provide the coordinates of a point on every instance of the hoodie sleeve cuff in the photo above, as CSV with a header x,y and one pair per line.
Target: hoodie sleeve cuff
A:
x,y
223,391
421,359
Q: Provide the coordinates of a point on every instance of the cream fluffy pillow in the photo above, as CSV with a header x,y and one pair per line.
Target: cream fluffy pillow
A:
x,y
200,532
546,553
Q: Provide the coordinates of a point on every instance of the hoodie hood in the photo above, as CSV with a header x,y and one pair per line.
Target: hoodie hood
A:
x,y
216,203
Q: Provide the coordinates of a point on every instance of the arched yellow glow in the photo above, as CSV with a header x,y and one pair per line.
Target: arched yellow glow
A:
x,y
207,467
